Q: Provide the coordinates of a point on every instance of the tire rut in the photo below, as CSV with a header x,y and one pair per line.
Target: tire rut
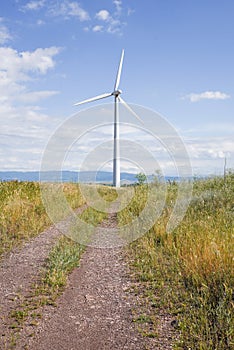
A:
x,y
95,310
19,269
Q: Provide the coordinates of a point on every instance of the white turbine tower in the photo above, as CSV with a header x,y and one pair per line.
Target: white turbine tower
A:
x,y
116,93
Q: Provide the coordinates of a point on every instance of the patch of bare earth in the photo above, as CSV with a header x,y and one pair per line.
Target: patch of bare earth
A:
x,y
19,269
17,273
95,310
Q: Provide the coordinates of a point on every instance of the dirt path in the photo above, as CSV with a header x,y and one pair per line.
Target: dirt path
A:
x,y
19,269
95,310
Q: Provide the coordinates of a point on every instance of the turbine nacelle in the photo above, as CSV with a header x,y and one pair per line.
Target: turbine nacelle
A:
x,y
117,93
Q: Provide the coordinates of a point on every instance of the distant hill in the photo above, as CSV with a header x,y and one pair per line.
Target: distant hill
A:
x,y
70,176
64,176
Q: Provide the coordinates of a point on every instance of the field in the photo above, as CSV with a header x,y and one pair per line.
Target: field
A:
x,y
22,214
188,273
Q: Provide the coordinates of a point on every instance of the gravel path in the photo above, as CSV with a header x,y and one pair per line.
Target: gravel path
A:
x,y
19,269
95,310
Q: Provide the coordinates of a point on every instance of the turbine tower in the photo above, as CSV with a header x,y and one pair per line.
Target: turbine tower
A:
x,y
116,93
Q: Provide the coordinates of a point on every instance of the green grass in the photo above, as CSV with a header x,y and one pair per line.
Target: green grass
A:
x,y
92,216
190,272
61,261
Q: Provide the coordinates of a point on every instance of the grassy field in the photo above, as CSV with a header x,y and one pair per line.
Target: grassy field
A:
x,y
22,214
190,272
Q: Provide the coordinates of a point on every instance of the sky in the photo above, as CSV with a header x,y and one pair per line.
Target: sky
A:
x,y
179,62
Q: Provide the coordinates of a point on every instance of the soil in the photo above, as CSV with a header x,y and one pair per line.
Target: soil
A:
x,y
19,269
95,310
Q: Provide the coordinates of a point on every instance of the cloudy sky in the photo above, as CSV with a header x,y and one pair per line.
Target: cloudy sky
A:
x,y
178,62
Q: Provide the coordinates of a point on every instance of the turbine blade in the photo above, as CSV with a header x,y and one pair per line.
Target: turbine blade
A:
x,y
119,72
131,110
93,99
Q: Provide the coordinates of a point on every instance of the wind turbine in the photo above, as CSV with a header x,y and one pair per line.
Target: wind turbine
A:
x,y
116,93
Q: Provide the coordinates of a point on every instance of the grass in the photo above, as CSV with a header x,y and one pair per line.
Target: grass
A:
x,y
63,258
190,272
22,213
109,194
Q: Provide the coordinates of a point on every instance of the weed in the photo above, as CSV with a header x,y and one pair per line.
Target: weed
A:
x,y
190,272
143,319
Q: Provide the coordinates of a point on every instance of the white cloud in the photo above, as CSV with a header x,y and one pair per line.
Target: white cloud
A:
x,y
24,127
97,28
40,22
4,33
115,27
103,15
39,60
113,22
24,133
16,66
207,95
34,5
118,5
69,9
35,96
66,9
207,154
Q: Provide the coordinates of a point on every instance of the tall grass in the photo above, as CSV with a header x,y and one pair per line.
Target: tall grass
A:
x,y
22,214
190,271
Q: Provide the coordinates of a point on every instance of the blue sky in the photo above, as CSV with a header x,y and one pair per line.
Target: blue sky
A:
x,y
179,58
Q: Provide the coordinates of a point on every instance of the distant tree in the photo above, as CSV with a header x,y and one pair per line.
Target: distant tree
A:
x,y
141,178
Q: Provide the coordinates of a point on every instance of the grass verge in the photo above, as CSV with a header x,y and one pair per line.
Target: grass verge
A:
x,y
22,213
189,273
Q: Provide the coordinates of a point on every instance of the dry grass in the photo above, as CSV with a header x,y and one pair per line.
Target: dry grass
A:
x,y
22,214
190,271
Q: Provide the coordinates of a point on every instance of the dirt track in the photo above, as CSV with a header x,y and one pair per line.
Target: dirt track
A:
x,y
95,310
18,271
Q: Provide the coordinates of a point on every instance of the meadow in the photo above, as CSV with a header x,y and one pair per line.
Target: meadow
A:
x,y
190,272
22,213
